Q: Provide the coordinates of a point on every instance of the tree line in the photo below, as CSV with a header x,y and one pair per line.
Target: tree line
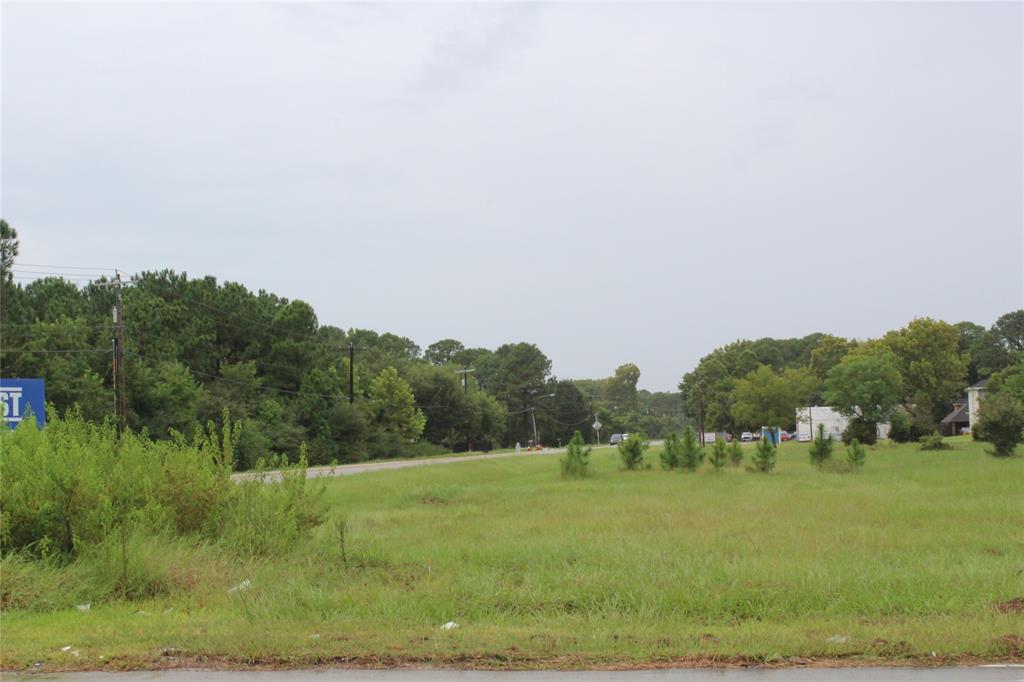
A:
x,y
196,347
909,376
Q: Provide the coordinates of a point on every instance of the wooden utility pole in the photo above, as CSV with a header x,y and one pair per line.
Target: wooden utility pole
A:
x,y
120,398
465,391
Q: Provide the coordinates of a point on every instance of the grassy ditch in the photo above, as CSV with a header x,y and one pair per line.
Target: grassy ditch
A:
x,y
918,556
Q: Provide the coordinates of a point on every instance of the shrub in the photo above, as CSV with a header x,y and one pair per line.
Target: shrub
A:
x,y
76,486
691,454
764,456
670,453
632,451
821,448
934,442
1001,422
735,452
864,431
574,464
855,454
907,425
719,455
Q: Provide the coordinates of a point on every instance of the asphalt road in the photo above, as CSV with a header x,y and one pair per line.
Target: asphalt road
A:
x,y
382,465
981,674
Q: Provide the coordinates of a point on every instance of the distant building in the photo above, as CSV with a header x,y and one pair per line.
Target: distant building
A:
x,y
974,395
956,420
808,419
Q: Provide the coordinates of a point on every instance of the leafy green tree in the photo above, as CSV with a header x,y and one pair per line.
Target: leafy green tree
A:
x,y
574,463
621,388
1001,422
707,389
866,385
392,406
827,354
932,370
764,397
163,397
443,352
821,448
1009,380
8,248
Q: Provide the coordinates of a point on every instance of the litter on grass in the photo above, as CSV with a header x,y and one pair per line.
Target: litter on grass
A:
x,y
450,625
244,585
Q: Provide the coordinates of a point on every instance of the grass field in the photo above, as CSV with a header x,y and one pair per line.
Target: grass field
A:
x,y
916,557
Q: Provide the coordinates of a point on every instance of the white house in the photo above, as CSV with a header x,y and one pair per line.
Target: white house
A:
x,y
808,419
974,394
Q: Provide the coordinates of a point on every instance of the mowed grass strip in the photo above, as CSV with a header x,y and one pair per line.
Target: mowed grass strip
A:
x,y
914,557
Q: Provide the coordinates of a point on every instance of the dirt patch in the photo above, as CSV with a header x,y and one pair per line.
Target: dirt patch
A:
x,y
433,499
1015,605
511,659
1011,645
890,649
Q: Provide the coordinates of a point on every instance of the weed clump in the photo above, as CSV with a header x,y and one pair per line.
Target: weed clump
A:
x,y
934,441
574,464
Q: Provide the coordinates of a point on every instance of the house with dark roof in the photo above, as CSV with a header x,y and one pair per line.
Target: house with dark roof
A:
x,y
965,411
958,419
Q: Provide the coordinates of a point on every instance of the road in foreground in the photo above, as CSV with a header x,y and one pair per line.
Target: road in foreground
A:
x,y
980,673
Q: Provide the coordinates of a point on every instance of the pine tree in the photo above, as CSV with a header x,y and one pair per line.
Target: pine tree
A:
x,y
735,453
574,464
821,448
764,456
691,454
670,455
855,454
719,455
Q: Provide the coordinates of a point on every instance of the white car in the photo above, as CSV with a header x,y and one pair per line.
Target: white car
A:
x,y
746,437
618,438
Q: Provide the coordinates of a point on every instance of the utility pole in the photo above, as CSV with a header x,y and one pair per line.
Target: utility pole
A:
x,y
120,399
465,391
533,417
351,372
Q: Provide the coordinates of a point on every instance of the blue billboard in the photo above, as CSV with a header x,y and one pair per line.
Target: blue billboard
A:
x,y
20,398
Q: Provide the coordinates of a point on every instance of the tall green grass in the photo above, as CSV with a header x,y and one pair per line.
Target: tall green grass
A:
x,y
913,554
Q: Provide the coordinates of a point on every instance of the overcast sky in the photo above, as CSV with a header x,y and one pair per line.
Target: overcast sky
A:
x,y
613,182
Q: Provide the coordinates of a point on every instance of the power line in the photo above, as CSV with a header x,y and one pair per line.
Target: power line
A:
x,y
65,267
57,351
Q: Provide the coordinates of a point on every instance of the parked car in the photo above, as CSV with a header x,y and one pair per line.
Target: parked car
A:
x,y
746,436
618,438
783,436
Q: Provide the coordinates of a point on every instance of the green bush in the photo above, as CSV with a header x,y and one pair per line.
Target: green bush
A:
x,y
821,448
574,463
1001,422
864,431
764,456
735,452
75,486
691,454
855,454
632,451
934,442
906,426
670,452
719,454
